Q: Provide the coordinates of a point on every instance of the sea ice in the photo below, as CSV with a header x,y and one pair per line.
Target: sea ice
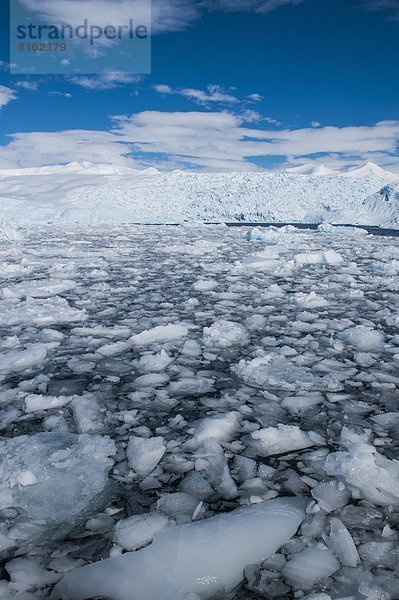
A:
x,y
8,233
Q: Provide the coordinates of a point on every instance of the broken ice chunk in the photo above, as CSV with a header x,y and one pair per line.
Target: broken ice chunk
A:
x,y
216,468
367,472
297,405
224,334
331,495
139,530
176,504
281,439
192,386
311,565
364,338
87,415
28,575
341,543
19,360
154,363
160,334
66,468
143,454
44,288
329,257
35,402
207,557
205,285
220,427
275,371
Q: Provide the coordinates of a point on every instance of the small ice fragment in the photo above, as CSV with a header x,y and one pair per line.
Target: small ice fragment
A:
x,y
369,474
154,363
331,495
35,402
24,478
311,565
87,415
205,285
28,575
365,339
177,504
143,454
139,530
160,334
151,380
283,438
341,543
221,428
224,334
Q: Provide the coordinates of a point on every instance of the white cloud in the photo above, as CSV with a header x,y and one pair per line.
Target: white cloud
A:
x,y
212,94
205,140
167,15
255,98
6,66
62,94
163,89
28,85
58,147
6,95
388,5
258,6
203,137
105,81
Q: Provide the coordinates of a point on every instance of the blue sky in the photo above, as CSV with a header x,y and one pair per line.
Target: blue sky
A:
x,y
235,85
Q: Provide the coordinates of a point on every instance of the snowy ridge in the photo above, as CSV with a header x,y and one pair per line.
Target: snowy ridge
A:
x,y
88,194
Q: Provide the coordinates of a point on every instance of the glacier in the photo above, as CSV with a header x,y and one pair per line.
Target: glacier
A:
x,y
88,194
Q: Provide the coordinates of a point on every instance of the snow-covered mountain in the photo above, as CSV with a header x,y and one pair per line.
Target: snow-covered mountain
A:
x,y
87,193
385,203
